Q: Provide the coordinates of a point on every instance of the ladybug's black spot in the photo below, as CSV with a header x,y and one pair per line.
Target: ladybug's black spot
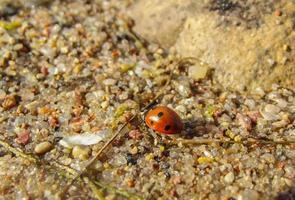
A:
x,y
167,127
160,114
152,122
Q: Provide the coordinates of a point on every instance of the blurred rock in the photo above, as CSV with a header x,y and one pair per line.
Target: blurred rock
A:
x,y
247,43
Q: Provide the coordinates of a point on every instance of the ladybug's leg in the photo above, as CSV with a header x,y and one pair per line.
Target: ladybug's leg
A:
x,y
156,137
168,138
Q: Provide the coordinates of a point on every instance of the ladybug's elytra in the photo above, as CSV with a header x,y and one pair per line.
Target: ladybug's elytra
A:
x,y
164,120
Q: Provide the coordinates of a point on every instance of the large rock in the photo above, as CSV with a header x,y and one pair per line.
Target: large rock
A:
x,y
249,43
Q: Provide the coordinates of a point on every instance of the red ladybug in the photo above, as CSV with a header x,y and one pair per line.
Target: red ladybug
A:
x,y
164,120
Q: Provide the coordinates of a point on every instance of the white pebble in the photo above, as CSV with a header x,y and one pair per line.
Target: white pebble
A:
x,y
109,81
270,112
272,109
248,194
229,177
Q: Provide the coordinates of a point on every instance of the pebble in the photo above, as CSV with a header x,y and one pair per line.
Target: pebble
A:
x,y
290,153
81,153
280,124
130,183
281,103
43,147
135,134
105,104
109,82
9,102
197,72
181,108
119,160
65,144
268,158
133,150
250,103
2,94
249,194
229,177
270,112
259,92
272,109
289,172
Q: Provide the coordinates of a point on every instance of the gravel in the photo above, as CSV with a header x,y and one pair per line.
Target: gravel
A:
x,y
74,68
43,147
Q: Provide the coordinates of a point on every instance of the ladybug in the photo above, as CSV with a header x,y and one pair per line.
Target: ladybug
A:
x,y
164,120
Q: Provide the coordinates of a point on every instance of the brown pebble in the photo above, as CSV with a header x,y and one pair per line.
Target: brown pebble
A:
x,y
23,137
9,102
53,121
117,142
131,183
116,53
254,115
176,180
173,193
135,134
44,71
244,121
278,13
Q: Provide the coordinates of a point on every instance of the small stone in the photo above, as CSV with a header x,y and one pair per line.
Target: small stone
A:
x,y
183,86
272,109
23,137
119,160
133,150
65,144
280,124
135,134
278,13
270,112
176,180
181,109
43,147
268,158
281,103
248,194
290,153
289,182
289,171
149,157
2,94
250,103
244,121
109,82
81,153
123,96
259,92
197,72
205,160
130,183
9,102
104,104
229,177
130,159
